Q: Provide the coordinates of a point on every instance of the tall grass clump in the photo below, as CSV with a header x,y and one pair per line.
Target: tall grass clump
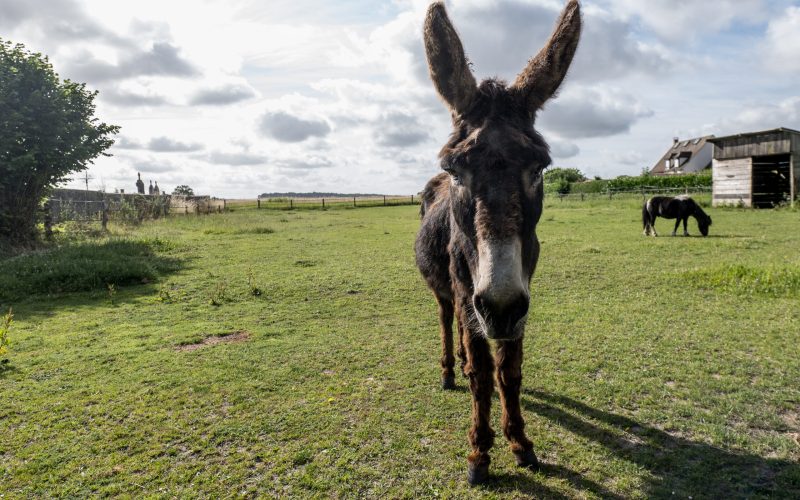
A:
x,y
84,266
5,328
774,281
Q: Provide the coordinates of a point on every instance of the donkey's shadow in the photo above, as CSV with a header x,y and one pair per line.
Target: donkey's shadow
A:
x,y
678,467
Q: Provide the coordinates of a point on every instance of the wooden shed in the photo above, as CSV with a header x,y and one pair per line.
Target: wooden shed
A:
x,y
758,169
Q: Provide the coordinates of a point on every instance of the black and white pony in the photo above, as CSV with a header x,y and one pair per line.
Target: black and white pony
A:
x,y
679,208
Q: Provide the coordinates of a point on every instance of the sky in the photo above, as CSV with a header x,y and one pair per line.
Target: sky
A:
x,y
240,97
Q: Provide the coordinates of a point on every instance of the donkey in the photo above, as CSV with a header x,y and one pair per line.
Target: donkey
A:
x,y
679,208
477,247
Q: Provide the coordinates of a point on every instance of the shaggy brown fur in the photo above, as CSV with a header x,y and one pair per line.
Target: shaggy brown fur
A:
x,y
488,197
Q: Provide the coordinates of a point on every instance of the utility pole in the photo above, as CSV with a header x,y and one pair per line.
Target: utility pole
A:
x,y
86,179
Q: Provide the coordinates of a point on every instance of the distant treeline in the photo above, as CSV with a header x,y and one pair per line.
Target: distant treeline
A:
x,y
315,194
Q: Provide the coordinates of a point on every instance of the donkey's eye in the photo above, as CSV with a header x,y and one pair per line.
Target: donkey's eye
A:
x,y
453,174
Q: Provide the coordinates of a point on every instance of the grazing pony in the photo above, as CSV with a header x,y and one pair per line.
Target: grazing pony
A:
x,y
679,208
477,246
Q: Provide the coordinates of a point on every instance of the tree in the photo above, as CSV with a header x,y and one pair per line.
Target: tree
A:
x,y
568,174
47,132
183,190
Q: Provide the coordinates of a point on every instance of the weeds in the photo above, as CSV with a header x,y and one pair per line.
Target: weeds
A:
x,y
5,328
112,292
218,294
255,291
163,295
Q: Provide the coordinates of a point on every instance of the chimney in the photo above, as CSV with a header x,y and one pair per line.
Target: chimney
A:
x,y
675,140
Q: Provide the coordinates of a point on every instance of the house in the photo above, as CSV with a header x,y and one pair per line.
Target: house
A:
x,y
685,157
756,169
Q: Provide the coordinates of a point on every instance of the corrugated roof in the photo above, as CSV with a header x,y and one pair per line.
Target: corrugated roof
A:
x,y
780,130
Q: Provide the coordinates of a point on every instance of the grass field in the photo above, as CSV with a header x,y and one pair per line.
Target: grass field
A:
x,y
654,368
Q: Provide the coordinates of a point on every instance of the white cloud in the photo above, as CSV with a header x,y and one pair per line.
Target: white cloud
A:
x,y
782,45
561,149
585,112
766,116
168,145
285,127
222,96
681,20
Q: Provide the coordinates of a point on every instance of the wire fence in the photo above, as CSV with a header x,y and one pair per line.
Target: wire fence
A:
x,y
643,192
136,209
328,202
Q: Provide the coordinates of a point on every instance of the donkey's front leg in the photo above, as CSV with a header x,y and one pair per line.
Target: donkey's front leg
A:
x,y
509,380
479,369
446,333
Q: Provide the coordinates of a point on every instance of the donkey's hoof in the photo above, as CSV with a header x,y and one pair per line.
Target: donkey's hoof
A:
x,y
527,460
449,382
477,474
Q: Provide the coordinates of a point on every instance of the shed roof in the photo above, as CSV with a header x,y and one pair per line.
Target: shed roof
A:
x,y
781,130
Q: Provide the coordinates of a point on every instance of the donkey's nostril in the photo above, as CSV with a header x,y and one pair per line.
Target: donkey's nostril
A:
x,y
517,310
482,306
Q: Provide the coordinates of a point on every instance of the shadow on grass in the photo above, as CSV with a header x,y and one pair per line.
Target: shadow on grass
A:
x,y
84,273
678,467
530,484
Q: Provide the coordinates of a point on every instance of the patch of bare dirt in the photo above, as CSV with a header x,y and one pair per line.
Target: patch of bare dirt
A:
x,y
233,337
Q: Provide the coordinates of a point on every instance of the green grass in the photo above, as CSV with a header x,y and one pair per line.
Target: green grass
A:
x,y
643,378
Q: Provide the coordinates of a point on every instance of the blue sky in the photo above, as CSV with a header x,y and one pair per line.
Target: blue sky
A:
x,y
240,97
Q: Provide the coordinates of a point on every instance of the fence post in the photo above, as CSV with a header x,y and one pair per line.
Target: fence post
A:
x,y
323,202
354,201
581,196
384,201
258,203
412,199
224,204
104,216
291,204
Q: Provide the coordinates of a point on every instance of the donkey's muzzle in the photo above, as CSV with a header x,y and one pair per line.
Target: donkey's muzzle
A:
x,y
501,321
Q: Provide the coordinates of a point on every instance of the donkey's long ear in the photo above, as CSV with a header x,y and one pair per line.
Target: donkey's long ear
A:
x,y
540,80
447,63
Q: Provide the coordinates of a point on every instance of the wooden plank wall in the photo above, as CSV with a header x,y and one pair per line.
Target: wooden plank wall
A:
x,y
733,182
755,145
796,167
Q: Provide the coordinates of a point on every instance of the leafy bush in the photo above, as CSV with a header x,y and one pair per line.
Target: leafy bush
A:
x,y
84,266
569,175
183,190
133,210
47,131
628,183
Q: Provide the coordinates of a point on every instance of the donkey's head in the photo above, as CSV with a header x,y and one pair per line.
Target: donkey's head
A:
x,y
495,160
